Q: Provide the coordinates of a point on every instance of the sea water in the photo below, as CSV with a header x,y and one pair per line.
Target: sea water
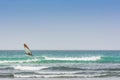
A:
x,y
60,64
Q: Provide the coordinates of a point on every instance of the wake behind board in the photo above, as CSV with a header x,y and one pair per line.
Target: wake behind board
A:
x,y
27,50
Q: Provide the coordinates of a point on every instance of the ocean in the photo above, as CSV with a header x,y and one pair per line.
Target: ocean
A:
x,y
57,64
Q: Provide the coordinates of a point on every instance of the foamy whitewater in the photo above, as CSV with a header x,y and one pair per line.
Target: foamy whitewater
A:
x,y
59,64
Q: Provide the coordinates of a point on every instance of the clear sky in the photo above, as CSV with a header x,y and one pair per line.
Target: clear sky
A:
x,y
60,24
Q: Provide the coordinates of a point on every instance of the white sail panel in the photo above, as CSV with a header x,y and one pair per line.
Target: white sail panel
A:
x,y
27,50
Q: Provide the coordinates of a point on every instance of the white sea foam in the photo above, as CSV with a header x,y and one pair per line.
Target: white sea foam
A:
x,y
55,76
56,73
31,68
19,61
92,58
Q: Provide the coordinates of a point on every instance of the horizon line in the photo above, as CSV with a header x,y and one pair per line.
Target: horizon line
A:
x,y
64,49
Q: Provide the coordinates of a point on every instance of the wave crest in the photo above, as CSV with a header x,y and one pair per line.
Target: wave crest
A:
x,y
31,68
18,61
92,58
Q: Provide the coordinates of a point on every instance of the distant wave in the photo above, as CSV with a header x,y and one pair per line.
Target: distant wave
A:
x,y
46,59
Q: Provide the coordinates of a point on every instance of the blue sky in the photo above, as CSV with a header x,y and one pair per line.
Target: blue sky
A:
x,y
60,24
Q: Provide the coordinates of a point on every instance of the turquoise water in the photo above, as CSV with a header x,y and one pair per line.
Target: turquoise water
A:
x,y
60,63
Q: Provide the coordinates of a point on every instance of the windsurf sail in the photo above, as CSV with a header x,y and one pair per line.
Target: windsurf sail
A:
x,y
27,50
